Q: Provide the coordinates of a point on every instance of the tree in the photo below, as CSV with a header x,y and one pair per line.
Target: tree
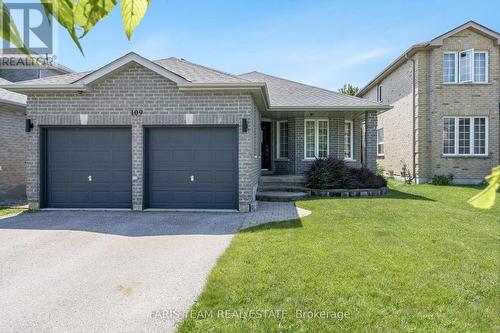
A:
x,y
486,198
349,89
82,15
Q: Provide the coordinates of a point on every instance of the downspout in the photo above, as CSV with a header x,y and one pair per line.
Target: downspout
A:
x,y
414,112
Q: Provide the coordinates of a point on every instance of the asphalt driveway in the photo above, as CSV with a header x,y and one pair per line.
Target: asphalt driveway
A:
x,y
111,271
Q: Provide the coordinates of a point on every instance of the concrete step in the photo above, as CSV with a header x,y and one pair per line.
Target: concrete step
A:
x,y
283,179
280,196
283,188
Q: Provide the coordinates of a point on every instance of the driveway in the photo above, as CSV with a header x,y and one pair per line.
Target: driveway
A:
x,y
111,271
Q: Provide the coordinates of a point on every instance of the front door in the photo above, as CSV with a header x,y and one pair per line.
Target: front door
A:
x,y
266,145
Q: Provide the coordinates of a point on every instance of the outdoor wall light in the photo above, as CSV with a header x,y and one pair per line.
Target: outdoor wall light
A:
x,y
244,125
28,125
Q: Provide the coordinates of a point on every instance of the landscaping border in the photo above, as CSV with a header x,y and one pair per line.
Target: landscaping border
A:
x,y
345,193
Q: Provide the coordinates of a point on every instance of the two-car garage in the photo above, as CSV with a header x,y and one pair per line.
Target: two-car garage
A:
x,y
185,167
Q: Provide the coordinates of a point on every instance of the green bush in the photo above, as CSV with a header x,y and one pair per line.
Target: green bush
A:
x,y
335,174
442,180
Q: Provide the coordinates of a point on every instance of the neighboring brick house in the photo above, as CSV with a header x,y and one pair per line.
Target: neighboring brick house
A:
x,y
172,134
13,68
445,95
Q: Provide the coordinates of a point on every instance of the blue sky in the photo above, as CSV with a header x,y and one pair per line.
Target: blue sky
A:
x,y
324,43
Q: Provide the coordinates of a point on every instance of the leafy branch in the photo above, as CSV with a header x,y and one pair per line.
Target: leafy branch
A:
x,y
84,14
486,198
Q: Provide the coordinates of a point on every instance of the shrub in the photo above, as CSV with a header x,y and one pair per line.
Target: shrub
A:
x,y
319,175
335,174
442,180
380,170
408,178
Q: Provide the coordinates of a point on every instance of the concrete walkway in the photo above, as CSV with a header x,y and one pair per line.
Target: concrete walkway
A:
x,y
90,271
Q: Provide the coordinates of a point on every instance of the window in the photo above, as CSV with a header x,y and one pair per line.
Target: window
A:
x,y
379,94
466,67
465,136
282,139
348,142
450,67
480,67
471,66
316,138
380,142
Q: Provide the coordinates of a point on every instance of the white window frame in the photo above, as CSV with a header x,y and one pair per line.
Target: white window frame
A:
x,y
278,137
351,139
471,65
486,65
455,54
379,93
316,137
380,142
458,67
471,136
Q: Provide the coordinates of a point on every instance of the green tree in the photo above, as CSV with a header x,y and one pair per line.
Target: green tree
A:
x,y
80,15
349,89
486,198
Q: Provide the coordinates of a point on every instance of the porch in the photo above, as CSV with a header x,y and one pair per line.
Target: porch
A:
x,y
291,141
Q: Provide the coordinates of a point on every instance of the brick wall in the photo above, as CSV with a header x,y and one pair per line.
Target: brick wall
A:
x,y
12,156
135,87
397,122
464,100
434,100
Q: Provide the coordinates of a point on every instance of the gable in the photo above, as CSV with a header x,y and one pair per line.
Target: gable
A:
x,y
123,62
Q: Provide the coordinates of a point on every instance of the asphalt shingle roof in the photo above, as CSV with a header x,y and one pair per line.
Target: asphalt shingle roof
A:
x,y
197,73
284,93
9,96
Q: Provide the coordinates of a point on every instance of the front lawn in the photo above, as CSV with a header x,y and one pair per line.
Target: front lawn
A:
x,y
4,211
418,259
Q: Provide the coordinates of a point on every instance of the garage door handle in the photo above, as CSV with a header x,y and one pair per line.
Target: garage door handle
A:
x,y
192,178
90,178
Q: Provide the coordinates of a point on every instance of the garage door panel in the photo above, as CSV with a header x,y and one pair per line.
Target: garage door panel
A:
x,y
180,155
225,176
224,197
210,154
203,156
225,156
93,152
75,196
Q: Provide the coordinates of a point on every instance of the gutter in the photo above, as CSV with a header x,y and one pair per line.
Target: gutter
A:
x,y
20,88
329,108
391,67
414,114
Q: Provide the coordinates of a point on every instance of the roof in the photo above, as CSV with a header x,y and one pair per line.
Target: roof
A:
x,y
435,42
274,92
198,73
286,93
9,97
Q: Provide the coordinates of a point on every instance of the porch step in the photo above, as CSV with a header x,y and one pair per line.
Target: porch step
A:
x,y
280,196
283,179
283,188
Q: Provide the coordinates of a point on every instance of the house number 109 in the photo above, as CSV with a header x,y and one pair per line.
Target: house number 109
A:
x,y
136,112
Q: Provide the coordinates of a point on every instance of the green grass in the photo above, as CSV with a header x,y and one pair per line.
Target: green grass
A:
x,y
10,210
418,259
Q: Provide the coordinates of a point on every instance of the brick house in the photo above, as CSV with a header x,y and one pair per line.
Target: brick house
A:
x,y
445,95
171,134
14,68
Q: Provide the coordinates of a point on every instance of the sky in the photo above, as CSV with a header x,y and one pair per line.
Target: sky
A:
x,y
323,43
